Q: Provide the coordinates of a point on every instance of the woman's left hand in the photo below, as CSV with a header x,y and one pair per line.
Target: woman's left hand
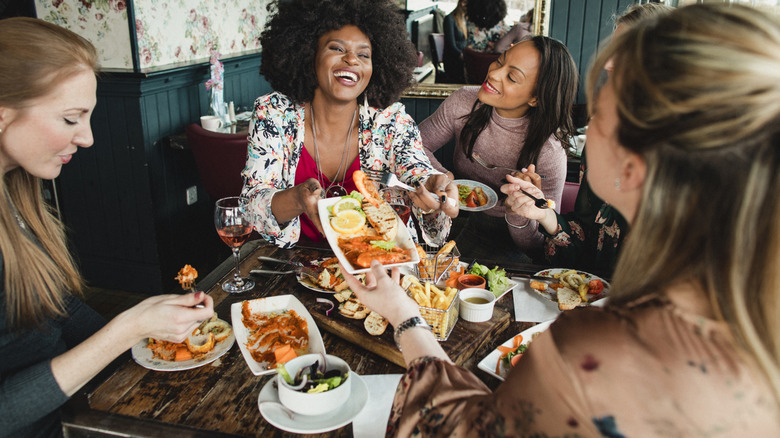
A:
x,y
438,194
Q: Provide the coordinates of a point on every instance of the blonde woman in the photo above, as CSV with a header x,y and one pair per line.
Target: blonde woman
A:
x,y
454,41
684,140
51,343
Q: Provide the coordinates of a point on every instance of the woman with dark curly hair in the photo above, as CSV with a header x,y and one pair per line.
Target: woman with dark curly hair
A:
x,y
337,67
519,117
485,24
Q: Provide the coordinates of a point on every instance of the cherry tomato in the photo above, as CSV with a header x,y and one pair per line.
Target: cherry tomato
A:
x,y
471,200
595,286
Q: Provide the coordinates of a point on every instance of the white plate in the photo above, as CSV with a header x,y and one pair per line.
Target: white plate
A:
x,y
402,239
307,282
488,364
551,295
492,197
144,357
266,305
342,416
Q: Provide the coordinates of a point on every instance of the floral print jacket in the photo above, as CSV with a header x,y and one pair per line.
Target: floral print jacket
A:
x,y
484,40
389,141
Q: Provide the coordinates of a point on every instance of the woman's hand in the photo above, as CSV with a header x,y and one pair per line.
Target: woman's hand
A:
x,y
290,203
383,295
518,203
169,317
438,193
529,174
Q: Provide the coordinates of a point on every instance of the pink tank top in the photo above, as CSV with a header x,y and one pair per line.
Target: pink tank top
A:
x,y
307,168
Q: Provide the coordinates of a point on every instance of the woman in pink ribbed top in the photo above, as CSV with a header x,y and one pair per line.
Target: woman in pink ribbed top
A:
x,y
512,120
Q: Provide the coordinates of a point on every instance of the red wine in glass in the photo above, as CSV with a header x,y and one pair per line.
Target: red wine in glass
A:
x,y
403,212
233,223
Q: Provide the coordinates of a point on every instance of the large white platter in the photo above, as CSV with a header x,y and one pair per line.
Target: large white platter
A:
x,y
267,305
403,239
144,357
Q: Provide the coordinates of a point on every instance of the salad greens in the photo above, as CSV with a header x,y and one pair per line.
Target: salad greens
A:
x,y
496,278
312,379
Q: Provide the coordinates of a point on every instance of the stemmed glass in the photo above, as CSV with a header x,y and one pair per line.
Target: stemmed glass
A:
x,y
232,220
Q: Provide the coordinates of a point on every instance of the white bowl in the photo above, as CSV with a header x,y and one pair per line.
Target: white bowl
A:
x,y
474,312
318,403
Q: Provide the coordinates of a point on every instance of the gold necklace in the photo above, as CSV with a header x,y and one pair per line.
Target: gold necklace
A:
x,y
333,189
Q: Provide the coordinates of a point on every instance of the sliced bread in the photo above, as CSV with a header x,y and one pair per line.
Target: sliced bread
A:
x,y
568,299
382,218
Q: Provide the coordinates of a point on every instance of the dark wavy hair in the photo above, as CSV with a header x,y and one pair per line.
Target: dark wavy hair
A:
x,y
556,89
293,30
485,13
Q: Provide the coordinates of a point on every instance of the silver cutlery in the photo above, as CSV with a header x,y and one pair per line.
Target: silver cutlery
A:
x,y
387,178
295,268
481,161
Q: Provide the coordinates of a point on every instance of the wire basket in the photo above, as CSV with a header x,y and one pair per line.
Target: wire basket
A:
x,y
441,321
434,268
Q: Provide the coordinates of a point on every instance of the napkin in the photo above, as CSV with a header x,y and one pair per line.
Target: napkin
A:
x,y
530,306
371,422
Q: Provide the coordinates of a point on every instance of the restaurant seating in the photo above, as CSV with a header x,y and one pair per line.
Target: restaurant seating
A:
x,y
570,190
477,64
220,158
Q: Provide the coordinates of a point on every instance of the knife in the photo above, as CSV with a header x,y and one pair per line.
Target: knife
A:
x,y
549,280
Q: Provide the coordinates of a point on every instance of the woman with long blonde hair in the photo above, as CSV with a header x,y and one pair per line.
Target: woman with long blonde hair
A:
x,y
50,341
684,140
454,41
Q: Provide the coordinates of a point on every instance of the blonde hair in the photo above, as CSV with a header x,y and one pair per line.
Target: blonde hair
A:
x,y
459,13
636,12
698,97
34,58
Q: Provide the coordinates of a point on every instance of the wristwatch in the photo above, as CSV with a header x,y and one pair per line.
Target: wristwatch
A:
x,y
412,322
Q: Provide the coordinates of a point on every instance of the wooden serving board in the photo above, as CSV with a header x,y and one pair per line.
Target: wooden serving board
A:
x,y
465,340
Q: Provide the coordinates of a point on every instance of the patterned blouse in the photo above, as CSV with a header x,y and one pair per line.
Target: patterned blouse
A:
x,y
646,369
588,237
389,141
484,40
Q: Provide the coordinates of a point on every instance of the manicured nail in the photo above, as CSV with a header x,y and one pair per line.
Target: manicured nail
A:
x,y
443,199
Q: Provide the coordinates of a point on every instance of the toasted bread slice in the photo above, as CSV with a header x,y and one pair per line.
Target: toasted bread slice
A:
x,y
568,299
382,218
375,324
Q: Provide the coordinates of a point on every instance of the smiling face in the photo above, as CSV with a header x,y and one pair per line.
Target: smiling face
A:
x,y
510,86
343,63
44,134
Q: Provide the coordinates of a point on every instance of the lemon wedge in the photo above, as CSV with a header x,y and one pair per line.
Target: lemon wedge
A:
x,y
345,204
348,222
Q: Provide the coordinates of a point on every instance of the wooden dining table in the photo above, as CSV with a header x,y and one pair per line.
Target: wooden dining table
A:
x,y
221,398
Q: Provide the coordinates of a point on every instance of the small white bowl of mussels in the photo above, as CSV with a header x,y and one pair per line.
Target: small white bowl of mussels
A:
x,y
314,384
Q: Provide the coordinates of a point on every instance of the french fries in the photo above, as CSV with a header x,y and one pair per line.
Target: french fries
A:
x,y
435,304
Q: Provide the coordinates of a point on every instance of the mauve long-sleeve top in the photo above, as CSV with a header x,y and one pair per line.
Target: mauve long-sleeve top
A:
x,y
500,143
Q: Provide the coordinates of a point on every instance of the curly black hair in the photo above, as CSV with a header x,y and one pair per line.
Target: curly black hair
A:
x,y
294,28
486,13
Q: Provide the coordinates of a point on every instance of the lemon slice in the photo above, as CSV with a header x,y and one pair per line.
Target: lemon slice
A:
x,y
345,204
348,222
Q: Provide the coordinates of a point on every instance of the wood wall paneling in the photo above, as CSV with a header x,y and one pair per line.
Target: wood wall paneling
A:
x,y
123,200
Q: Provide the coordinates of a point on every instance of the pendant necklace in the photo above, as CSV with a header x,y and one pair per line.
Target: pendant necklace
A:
x,y
333,189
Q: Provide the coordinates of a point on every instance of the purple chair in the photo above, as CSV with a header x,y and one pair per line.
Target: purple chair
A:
x,y
477,64
220,158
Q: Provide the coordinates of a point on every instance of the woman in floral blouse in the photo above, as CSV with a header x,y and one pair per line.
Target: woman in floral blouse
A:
x,y
485,25
688,342
337,68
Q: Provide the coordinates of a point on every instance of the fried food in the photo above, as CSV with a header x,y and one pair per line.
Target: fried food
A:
x,y
186,277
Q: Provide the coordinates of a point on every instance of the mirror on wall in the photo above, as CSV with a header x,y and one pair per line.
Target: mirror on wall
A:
x,y
418,10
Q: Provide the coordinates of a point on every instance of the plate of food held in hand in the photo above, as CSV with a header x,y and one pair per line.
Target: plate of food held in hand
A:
x,y
569,288
475,196
362,227
207,343
274,330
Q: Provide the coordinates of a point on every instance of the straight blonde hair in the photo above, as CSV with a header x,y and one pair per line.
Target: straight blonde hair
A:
x,y
34,58
698,97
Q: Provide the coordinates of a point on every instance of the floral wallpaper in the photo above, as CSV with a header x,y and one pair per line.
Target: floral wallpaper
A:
x,y
102,22
167,32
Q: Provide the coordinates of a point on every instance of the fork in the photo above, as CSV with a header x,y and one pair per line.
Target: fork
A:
x,y
539,203
487,165
297,268
388,179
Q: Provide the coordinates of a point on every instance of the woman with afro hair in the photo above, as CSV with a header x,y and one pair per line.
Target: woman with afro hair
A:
x,y
337,68
485,24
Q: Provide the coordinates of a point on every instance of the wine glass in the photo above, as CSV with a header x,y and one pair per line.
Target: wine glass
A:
x,y
232,220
